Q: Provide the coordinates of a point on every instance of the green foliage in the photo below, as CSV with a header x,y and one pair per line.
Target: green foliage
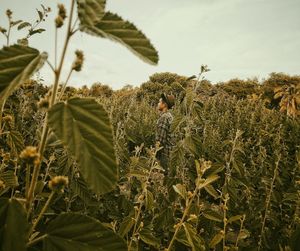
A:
x,y
90,12
79,123
14,226
240,88
233,181
50,131
115,28
18,63
74,231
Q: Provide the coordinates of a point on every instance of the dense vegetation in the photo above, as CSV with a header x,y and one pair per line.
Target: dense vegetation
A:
x,y
78,167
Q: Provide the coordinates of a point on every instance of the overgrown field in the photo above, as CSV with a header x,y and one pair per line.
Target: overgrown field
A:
x,y
78,167
233,181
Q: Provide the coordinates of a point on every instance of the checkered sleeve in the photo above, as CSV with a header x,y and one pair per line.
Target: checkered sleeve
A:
x,y
161,130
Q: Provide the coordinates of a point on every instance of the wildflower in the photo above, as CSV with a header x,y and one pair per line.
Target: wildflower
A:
x,y
30,155
58,183
77,64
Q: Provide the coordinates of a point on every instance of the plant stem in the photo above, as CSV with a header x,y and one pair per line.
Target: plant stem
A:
x,y
225,220
137,218
55,48
178,226
36,240
8,34
1,114
42,212
58,71
268,200
51,66
27,180
62,90
241,228
45,127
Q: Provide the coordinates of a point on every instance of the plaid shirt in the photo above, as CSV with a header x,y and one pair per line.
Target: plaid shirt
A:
x,y
163,131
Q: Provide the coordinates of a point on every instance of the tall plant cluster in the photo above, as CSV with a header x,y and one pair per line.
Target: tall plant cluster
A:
x,y
69,147
78,172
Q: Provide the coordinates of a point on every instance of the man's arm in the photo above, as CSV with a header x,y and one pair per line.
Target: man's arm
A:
x,y
161,131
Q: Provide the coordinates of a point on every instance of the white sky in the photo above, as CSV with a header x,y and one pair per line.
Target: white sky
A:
x,y
235,38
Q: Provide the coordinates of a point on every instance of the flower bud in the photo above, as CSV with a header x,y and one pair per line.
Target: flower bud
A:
x,y
2,185
7,118
8,13
2,30
77,64
58,183
43,103
62,11
30,155
59,22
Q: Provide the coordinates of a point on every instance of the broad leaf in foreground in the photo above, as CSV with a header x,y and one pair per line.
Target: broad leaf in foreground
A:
x,y
114,27
90,11
84,128
17,64
71,231
13,225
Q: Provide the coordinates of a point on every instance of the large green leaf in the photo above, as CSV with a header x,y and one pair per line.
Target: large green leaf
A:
x,y
193,237
84,127
17,64
9,178
90,11
13,225
114,27
147,236
71,231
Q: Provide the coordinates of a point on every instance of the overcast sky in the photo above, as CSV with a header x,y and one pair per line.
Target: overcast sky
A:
x,y
235,38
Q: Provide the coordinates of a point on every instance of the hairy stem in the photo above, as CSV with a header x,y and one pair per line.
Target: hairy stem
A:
x,y
45,127
36,240
42,212
62,90
58,70
137,217
28,169
178,226
225,220
241,228
268,200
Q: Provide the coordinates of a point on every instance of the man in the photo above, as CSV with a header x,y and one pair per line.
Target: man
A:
x,y
163,129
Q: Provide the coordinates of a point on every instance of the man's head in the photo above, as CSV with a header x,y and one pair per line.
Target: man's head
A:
x,y
166,102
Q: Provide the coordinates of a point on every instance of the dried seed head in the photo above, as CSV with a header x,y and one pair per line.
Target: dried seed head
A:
x,y
58,183
43,103
77,64
30,155
8,13
59,22
62,11
7,118
2,30
2,185
6,156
